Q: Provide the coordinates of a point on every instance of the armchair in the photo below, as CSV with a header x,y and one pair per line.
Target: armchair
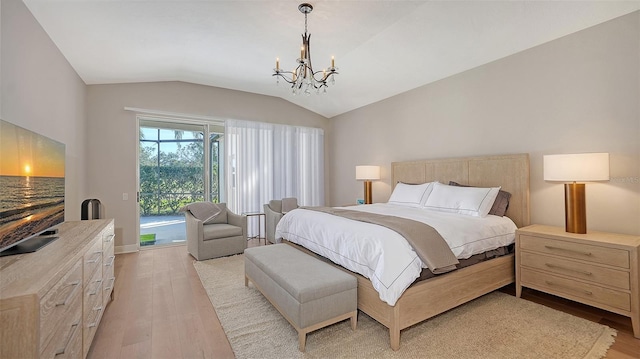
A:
x,y
274,210
213,231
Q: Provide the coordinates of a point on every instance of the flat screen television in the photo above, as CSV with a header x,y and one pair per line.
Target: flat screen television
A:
x,y
32,188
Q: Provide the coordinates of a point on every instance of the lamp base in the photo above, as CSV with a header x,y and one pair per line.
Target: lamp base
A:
x,y
575,212
367,193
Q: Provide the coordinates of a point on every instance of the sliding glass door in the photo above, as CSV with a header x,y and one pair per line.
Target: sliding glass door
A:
x,y
176,167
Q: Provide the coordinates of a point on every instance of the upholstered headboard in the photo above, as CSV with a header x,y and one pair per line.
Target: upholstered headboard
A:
x,y
511,172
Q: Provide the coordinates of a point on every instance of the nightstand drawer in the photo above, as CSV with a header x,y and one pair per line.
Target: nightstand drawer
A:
x,y
611,256
588,292
585,271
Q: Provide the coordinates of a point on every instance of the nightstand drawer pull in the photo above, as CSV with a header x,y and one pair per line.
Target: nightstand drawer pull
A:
x,y
550,283
568,250
568,269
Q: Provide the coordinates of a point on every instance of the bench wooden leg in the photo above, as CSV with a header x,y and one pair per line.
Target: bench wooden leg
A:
x,y
354,320
302,340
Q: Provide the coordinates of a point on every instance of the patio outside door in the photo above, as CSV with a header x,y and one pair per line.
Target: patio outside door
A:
x,y
173,172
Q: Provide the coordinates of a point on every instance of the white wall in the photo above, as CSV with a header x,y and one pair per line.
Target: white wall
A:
x,y
113,143
40,91
580,93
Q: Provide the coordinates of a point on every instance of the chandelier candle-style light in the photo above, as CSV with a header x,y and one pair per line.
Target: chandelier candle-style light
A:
x,y
303,78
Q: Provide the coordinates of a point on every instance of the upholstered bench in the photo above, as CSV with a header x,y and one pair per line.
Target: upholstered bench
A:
x,y
309,293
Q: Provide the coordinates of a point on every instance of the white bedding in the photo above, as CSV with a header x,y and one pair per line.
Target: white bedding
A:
x,y
383,255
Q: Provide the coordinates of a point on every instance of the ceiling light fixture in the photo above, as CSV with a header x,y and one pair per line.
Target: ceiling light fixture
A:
x,y
303,79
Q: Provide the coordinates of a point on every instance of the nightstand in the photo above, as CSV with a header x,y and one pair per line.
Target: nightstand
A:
x,y
599,269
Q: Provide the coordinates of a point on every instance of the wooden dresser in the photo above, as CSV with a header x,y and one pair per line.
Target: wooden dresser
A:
x,y
51,301
599,269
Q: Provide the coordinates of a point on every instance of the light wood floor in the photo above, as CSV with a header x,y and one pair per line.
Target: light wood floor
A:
x,y
161,310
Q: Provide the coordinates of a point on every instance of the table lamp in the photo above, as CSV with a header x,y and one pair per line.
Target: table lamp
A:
x,y
583,167
367,174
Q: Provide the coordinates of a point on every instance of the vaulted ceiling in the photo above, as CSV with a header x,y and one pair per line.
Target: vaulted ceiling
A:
x,y
381,48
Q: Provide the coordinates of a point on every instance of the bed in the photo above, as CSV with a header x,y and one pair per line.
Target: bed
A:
x,y
427,298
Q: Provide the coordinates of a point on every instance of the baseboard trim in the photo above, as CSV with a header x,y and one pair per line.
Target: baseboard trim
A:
x,y
129,248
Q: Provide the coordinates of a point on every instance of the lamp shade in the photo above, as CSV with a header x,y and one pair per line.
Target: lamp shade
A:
x,y
367,173
576,167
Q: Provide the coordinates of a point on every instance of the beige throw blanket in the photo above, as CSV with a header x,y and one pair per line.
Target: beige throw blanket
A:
x,y
432,249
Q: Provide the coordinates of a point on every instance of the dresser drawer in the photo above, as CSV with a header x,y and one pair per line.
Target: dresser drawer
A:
x,y
92,308
599,275
107,290
90,326
590,293
59,301
92,260
108,239
596,254
67,340
108,269
108,255
93,293
109,280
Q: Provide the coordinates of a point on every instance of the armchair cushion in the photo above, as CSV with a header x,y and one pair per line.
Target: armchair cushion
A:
x,y
221,230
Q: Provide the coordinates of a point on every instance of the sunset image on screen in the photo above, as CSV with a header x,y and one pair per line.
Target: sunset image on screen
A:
x,y
32,170
24,153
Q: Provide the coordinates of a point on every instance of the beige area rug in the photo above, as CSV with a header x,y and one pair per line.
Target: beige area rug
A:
x,y
496,325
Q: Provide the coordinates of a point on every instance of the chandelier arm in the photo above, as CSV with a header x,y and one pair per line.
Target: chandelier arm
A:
x,y
307,44
281,74
325,74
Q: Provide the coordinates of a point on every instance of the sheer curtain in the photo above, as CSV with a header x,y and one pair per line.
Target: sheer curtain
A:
x,y
269,161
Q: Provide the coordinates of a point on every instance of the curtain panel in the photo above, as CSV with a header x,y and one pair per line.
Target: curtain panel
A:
x,y
268,161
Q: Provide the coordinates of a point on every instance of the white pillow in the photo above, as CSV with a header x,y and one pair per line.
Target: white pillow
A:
x,y
411,195
472,201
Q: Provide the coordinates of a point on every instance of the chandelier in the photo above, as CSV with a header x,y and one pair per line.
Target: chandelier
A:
x,y
303,78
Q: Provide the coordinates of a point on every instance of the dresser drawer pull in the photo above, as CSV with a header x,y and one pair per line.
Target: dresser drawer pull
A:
x,y
72,333
98,255
71,293
111,260
569,250
97,287
97,309
568,269
109,238
583,291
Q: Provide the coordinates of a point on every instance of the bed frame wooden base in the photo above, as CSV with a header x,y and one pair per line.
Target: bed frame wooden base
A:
x,y
431,297
443,293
